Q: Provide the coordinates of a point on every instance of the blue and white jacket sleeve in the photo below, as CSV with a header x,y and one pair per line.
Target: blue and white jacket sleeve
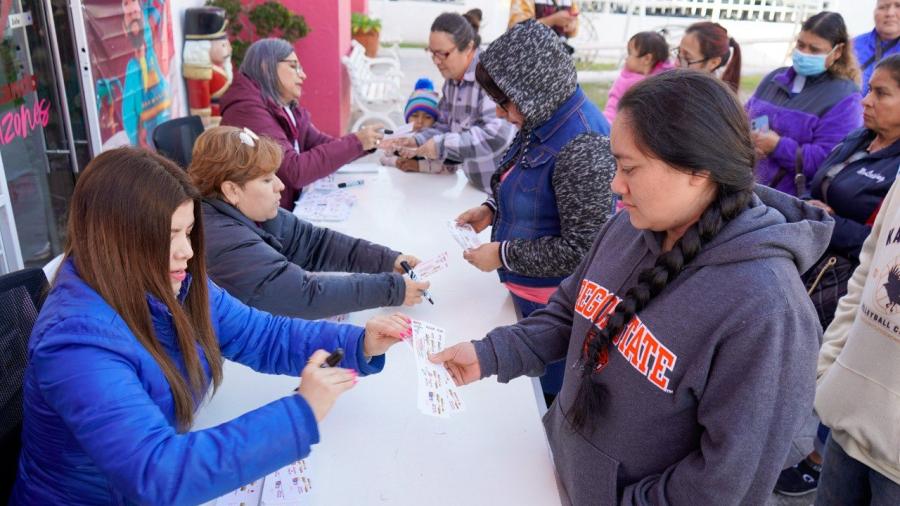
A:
x,y
278,345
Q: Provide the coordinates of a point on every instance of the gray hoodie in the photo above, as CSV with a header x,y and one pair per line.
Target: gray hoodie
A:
x,y
709,385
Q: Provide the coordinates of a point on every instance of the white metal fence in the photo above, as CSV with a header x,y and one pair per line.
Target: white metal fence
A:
x,y
773,11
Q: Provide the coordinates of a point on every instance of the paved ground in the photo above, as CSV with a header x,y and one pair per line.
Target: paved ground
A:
x,y
416,63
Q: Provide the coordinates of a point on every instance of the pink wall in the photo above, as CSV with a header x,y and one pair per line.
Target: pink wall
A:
x,y
326,92
359,6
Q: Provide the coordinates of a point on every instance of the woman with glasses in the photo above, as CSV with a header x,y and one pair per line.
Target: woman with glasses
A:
x,y
707,47
800,112
264,98
550,193
468,133
689,342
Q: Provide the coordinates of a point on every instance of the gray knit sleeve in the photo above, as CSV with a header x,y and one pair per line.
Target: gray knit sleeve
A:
x,y
584,169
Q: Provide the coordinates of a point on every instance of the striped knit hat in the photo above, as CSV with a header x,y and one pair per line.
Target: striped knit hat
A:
x,y
423,98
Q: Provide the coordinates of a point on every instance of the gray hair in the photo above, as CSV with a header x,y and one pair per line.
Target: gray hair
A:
x,y
261,65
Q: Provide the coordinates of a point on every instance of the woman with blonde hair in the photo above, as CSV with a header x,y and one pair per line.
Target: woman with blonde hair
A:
x,y
799,113
266,256
133,335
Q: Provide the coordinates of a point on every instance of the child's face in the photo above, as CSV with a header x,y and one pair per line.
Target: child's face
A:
x,y
636,63
420,120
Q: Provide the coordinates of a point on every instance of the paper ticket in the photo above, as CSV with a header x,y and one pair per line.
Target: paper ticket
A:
x,y
464,235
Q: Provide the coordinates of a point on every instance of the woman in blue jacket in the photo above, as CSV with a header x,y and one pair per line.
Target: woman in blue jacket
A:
x,y
132,335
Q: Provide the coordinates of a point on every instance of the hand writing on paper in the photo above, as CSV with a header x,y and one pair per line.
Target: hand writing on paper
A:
x,y
382,332
321,386
478,217
414,291
486,257
461,361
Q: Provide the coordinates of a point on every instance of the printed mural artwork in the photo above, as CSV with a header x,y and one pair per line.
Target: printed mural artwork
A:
x,y
131,48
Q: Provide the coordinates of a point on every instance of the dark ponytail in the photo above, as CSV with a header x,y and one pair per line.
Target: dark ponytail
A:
x,y
732,73
462,28
694,124
715,42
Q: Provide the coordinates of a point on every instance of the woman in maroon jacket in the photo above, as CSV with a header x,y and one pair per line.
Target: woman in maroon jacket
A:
x,y
264,98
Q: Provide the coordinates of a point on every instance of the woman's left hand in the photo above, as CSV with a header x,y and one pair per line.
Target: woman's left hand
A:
x,y
411,260
382,332
486,257
765,142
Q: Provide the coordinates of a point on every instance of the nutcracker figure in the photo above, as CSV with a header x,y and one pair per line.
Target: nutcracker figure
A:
x,y
207,61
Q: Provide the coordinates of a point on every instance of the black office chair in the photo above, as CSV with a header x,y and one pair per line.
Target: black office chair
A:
x,y
22,294
175,138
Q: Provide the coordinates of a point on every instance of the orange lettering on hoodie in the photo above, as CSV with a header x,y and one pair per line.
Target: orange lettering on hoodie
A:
x,y
636,343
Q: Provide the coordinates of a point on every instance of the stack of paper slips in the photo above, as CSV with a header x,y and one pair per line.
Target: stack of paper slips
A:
x,y
437,394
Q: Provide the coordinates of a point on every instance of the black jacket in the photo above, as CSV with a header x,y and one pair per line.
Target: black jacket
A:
x,y
277,266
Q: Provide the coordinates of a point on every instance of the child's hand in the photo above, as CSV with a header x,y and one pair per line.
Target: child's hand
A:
x,y
407,165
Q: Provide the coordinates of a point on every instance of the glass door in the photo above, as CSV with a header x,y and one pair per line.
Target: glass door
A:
x,y
43,140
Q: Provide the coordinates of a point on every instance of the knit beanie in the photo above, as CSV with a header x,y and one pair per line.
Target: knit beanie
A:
x,y
423,98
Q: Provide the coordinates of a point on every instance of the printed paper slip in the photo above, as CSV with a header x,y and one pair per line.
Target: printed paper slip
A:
x,y
284,487
325,205
437,394
248,495
464,234
287,486
432,266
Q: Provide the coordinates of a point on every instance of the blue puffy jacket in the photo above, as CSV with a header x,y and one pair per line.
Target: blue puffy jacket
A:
x,y
99,415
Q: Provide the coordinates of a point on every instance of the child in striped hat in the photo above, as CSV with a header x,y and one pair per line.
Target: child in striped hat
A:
x,y
420,113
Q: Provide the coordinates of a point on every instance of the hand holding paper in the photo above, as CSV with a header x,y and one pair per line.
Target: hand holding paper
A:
x,y
461,361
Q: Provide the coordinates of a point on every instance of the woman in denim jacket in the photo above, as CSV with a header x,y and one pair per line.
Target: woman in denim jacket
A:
x,y
550,193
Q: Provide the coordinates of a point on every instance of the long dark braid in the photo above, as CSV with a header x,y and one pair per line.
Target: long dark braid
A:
x,y
695,124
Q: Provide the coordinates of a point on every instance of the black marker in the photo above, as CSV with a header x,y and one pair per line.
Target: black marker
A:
x,y
333,359
412,276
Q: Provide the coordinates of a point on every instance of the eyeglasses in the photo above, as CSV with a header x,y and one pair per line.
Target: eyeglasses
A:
x,y
294,65
440,55
676,53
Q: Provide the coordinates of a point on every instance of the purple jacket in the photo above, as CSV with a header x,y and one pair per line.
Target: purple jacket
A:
x,y
319,154
810,123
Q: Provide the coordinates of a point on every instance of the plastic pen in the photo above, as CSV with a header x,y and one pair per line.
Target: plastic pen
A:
x,y
358,182
412,276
